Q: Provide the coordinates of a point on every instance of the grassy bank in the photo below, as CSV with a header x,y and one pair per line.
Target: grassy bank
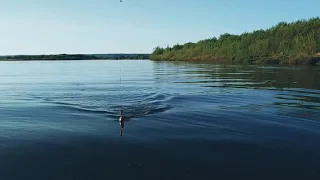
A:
x,y
285,43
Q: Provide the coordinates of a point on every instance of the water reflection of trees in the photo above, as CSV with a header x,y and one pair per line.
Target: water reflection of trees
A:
x,y
298,86
305,77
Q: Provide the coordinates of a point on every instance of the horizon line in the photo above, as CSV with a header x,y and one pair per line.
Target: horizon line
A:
x,y
68,54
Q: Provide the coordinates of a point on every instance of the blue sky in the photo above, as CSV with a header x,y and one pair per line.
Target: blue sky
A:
x,y
134,26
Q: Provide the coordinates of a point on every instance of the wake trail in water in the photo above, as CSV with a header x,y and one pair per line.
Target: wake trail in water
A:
x,y
134,107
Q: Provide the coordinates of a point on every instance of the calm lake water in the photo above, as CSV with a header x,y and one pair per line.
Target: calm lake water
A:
x,y
58,120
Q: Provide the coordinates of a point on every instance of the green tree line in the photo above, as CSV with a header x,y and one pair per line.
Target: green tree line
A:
x,y
49,57
285,43
139,56
71,57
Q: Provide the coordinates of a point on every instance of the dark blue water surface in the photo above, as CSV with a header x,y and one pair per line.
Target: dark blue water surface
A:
x,y
58,120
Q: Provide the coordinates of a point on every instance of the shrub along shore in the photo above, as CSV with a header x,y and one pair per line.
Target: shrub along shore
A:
x,y
285,43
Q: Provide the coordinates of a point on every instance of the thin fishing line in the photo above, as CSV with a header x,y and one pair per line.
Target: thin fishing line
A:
x,y
121,106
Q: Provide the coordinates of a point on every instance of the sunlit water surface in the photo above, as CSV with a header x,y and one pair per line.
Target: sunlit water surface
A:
x,y
58,120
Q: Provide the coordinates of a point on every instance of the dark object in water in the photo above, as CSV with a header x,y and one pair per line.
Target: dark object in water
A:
x,y
121,122
314,60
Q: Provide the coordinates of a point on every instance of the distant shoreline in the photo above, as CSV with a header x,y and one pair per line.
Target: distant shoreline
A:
x,y
15,60
76,57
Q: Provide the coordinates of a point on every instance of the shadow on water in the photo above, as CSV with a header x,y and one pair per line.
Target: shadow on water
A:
x,y
102,158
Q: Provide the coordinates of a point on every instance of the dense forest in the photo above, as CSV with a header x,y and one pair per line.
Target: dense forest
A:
x,y
286,43
74,57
